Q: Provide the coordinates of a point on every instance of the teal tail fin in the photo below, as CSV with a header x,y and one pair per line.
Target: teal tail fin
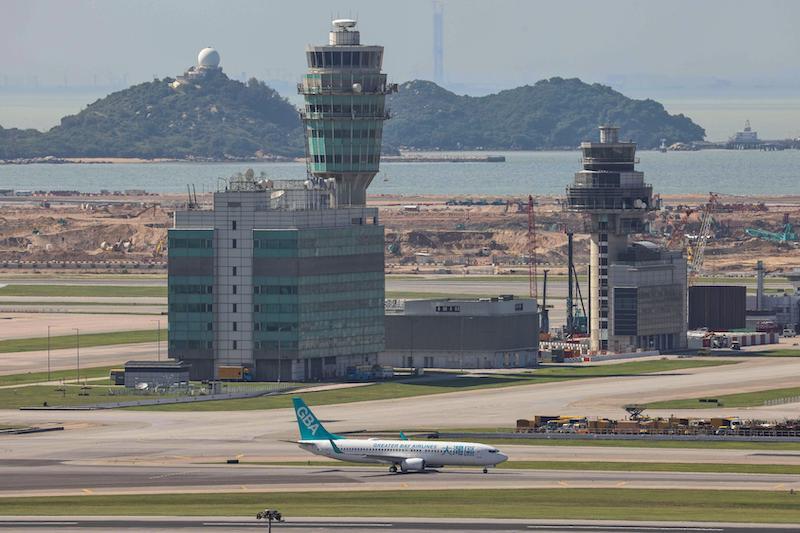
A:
x,y
403,436
310,426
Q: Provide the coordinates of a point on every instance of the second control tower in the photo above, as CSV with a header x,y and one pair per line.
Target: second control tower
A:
x,y
344,92
616,200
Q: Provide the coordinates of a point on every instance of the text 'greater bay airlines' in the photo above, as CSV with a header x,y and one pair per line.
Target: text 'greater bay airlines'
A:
x,y
402,454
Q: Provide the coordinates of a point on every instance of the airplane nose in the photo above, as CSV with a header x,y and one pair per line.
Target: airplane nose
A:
x,y
502,458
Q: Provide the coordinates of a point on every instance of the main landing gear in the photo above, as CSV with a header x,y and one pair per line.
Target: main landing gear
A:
x,y
485,470
393,469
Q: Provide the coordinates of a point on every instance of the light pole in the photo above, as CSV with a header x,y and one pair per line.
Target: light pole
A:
x,y
78,351
158,337
48,352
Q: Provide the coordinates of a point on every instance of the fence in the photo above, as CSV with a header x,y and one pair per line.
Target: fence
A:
x,y
782,401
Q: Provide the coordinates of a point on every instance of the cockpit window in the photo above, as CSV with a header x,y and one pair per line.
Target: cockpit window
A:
x,y
492,450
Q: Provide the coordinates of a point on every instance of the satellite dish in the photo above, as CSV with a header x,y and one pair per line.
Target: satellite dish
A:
x,y
142,386
344,24
356,87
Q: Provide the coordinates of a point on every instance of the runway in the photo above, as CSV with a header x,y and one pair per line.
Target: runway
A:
x,y
363,525
52,478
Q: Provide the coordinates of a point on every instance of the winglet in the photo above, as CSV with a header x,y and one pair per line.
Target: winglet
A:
x,y
310,426
334,446
403,436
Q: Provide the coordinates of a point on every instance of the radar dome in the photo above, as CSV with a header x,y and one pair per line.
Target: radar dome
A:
x,y
208,57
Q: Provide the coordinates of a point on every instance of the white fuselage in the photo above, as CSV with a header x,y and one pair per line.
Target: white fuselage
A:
x,y
433,453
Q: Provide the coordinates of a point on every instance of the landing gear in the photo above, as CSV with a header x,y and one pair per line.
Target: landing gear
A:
x,y
393,469
485,470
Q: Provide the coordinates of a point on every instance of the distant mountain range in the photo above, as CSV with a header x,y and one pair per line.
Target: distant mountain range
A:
x,y
214,117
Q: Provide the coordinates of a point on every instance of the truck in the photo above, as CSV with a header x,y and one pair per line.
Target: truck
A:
x,y
234,373
789,331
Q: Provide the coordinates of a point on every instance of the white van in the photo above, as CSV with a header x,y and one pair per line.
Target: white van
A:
x,y
789,331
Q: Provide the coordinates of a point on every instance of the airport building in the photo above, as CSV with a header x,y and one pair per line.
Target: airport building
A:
x,y
637,292
345,92
498,332
277,280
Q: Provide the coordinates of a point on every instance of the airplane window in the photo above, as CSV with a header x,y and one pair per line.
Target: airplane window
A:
x,y
492,451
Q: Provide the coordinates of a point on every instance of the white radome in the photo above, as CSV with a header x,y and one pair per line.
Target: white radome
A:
x,y
208,57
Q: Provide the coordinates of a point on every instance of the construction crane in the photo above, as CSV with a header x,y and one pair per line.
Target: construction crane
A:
x,y
532,259
699,250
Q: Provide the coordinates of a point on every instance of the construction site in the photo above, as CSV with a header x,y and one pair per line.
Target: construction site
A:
x,y
425,234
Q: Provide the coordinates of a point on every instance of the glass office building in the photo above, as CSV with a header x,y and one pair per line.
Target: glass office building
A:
x,y
275,280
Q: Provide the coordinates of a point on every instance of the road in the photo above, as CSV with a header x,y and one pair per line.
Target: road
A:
x,y
66,359
31,325
52,478
364,525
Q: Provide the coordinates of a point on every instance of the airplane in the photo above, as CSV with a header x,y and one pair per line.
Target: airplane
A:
x,y
403,454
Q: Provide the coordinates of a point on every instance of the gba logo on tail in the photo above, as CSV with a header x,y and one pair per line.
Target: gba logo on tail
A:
x,y
307,418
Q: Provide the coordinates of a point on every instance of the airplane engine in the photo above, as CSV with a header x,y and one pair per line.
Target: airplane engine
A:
x,y
412,464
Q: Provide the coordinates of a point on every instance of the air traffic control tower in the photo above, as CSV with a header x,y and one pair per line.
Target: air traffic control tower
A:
x,y
616,200
344,92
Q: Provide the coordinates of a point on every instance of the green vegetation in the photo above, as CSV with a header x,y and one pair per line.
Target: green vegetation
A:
x,y
567,503
743,399
218,118
776,352
438,384
36,377
104,291
36,395
87,340
419,295
215,117
554,113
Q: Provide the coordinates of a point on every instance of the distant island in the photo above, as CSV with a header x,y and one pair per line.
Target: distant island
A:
x,y
204,115
553,114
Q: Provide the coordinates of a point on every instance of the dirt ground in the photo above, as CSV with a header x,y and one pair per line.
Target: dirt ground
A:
x,y
423,233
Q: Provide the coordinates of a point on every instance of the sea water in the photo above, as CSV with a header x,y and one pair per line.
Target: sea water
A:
x,y
749,172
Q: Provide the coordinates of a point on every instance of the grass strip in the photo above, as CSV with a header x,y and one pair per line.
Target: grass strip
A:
x,y
87,340
36,377
742,399
71,395
567,503
776,352
443,384
105,291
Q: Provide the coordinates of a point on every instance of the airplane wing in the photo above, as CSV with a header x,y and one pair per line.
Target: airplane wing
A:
x,y
389,460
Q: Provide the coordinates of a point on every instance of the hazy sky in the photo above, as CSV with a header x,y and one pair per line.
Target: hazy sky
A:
x,y
678,47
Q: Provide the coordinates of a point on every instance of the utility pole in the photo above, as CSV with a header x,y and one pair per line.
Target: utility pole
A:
x,y
78,351
48,352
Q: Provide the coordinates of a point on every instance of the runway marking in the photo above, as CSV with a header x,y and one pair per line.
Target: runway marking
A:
x,y
621,484
780,486
617,527
87,491
303,524
244,487
563,483
35,523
